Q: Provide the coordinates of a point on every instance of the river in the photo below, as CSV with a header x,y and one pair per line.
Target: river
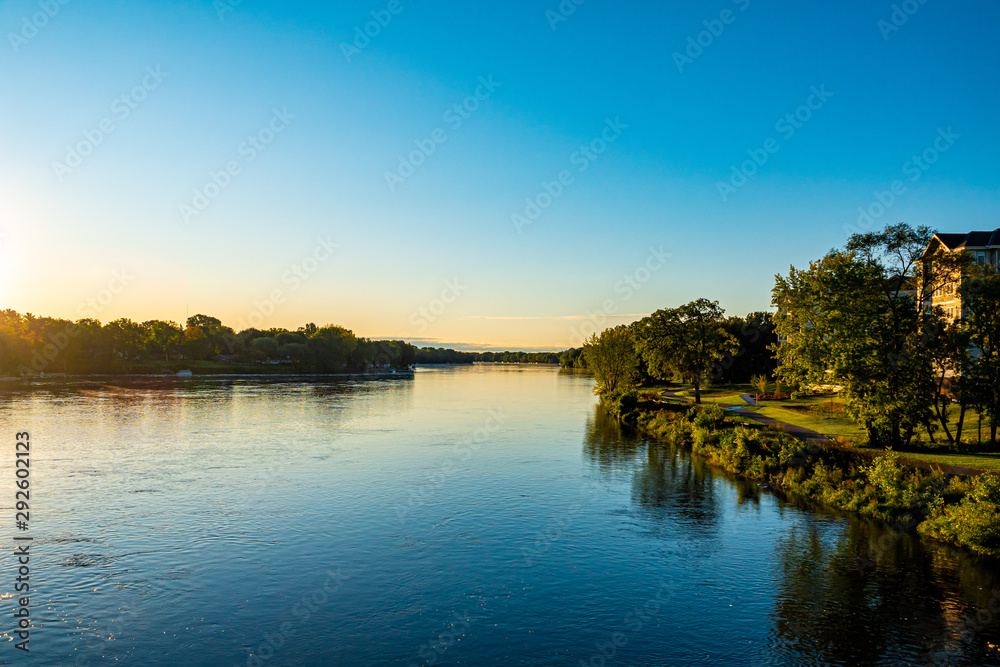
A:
x,y
476,515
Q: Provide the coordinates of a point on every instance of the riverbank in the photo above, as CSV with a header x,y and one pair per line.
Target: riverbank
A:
x,y
824,415
957,509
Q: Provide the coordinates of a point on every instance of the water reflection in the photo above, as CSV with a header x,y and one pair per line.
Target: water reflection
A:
x,y
609,445
846,591
667,485
851,592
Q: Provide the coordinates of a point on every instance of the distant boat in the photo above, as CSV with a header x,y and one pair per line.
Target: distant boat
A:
x,y
184,374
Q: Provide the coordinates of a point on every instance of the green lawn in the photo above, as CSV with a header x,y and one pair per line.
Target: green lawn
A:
x,y
818,413
983,461
825,414
726,394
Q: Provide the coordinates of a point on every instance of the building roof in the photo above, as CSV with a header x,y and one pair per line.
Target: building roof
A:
x,y
970,240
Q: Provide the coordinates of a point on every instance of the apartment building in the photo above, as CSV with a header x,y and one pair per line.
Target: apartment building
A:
x,y
984,247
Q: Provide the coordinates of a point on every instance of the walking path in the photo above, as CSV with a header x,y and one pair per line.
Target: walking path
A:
x,y
815,436
798,431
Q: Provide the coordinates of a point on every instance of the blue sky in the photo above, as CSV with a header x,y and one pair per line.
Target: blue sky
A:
x,y
308,229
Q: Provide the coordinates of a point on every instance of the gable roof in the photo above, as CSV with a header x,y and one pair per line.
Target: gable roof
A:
x,y
970,240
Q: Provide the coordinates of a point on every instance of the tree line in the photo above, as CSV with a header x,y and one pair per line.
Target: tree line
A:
x,y
861,320
30,345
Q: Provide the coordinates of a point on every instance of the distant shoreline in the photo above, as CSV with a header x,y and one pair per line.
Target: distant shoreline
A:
x,y
175,376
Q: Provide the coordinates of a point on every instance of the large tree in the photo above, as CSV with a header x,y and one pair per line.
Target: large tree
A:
x,y
755,353
613,360
981,321
215,336
860,318
686,342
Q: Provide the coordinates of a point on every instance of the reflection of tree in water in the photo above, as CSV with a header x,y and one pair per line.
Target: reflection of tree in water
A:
x,y
667,485
851,593
609,445
847,592
678,489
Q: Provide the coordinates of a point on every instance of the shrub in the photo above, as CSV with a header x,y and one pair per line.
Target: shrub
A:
x,y
973,522
711,416
622,404
964,512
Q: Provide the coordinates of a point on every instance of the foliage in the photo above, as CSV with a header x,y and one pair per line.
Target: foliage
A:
x,y
613,359
859,318
440,355
622,403
572,358
30,345
687,342
964,512
755,337
973,522
981,298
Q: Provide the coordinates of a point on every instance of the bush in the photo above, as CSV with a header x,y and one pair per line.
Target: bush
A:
x,y
711,416
669,425
965,512
973,522
622,404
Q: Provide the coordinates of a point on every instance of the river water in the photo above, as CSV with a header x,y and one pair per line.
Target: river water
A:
x,y
478,515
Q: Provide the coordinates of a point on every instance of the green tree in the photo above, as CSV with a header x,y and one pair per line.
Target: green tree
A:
x,y
267,346
332,346
754,355
218,337
859,318
127,337
196,345
163,336
981,301
613,360
299,354
687,342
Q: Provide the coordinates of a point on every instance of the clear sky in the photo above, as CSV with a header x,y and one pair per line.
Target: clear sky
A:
x,y
358,194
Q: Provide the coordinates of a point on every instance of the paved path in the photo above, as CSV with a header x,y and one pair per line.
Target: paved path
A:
x,y
814,436
798,431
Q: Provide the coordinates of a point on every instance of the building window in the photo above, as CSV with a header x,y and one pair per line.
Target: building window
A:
x,y
980,258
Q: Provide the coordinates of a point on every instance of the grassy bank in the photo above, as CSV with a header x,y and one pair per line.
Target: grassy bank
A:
x,y
825,414
961,510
